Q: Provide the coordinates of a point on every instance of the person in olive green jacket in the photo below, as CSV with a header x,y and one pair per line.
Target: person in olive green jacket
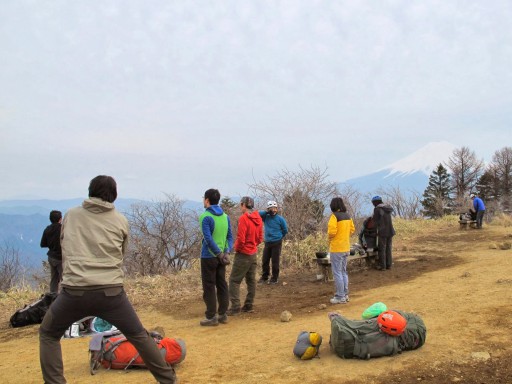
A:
x,y
94,238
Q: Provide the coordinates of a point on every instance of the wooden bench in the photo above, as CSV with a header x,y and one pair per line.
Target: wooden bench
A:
x,y
324,265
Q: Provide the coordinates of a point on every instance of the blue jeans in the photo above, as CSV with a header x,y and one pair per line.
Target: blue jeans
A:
x,y
339,272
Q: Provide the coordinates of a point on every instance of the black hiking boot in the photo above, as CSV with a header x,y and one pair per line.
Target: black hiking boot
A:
x,y
247,309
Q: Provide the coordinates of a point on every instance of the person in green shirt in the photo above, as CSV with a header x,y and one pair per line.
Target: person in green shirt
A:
x,y
217,239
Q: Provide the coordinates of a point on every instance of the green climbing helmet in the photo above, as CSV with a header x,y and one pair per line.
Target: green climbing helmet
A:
x,y
374,310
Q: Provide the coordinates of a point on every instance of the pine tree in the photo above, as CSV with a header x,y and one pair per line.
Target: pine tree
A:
x,y
488,186
437,200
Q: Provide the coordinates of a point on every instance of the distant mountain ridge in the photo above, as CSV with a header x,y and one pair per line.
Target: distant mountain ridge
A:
x,y
22,223
44,206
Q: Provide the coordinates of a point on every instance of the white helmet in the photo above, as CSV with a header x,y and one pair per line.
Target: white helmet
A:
x,y
271,204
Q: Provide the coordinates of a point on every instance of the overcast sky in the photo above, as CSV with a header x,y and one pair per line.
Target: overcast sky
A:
x,y
180,96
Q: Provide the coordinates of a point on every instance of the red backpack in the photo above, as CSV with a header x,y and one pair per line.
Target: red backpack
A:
x,y
113,351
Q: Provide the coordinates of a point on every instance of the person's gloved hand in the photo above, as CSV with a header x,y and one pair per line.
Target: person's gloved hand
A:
x,y
224,258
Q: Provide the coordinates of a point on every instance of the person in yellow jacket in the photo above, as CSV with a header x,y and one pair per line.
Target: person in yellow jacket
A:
x,y
339,229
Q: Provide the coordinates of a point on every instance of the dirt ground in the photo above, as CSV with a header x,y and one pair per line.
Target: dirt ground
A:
x,y
456,280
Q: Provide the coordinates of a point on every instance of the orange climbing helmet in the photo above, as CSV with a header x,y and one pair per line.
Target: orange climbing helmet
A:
x,y
392,323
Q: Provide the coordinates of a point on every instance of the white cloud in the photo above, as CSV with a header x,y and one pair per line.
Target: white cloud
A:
x,y
181,85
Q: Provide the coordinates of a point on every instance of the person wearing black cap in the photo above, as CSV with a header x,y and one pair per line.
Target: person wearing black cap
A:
x,y
385,232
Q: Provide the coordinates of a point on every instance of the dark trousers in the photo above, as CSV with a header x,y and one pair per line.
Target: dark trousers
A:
x,y
55,274
479,218
271,251
385,254
215,287
111,305
244,267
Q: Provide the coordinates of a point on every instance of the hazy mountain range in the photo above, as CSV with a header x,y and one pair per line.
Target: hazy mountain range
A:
x,y
23,221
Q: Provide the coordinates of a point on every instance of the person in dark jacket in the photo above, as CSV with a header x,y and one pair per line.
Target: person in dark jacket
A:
x,y
479,208
249,236
385,232
51,240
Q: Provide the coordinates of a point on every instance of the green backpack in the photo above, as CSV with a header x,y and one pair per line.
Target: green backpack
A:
x,y
415,333
362,339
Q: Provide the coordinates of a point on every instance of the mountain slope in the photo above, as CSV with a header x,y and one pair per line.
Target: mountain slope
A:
x,y
410,173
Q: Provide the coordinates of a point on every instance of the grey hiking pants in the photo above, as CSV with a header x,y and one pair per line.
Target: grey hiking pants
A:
x,y
55,273
110,304
244,266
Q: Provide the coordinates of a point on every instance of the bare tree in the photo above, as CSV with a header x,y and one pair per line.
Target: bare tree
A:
x,y
164,237
502,167
353,199
233,211
406,205
465,170
10,266
303,196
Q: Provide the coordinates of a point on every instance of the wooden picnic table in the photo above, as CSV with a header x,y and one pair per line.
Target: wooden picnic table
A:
x,y
324,264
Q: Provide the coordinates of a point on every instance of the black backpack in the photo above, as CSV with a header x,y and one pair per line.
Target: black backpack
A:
x,y
33,313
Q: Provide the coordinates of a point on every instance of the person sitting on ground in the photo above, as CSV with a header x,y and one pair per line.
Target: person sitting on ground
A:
x,y
368,234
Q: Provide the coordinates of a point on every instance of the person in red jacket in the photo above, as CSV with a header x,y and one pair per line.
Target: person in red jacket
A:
x,y
250,235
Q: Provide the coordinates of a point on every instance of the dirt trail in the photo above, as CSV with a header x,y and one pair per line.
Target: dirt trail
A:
x,y
459,286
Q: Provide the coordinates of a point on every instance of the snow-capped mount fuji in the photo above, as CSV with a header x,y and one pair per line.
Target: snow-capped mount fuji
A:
x,y
410,173
425,160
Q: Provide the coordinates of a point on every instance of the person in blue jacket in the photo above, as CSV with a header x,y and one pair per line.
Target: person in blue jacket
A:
x,y
217,238
275,230
479,207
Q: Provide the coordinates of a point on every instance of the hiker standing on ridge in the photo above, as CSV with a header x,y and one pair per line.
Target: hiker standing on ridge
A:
x,y
479,207
339,229
249,236
51,240
217,239
275,230
385,232
94,238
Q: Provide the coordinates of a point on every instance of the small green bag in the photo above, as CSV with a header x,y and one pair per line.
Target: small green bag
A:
x,y
374,310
